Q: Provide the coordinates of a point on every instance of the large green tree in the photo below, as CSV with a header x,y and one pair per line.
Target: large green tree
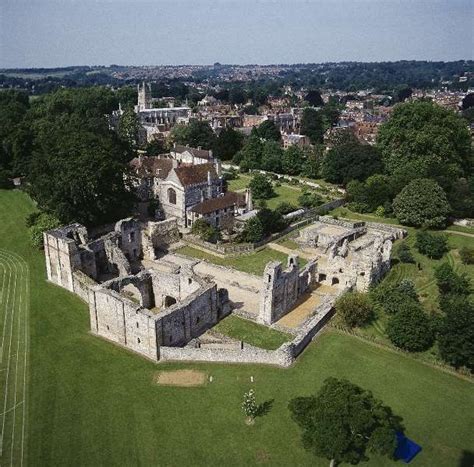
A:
x,y
344,423
15,134
425,139
228,143
422,203
312,125
410,329
196,134
78,164
352,161
267,130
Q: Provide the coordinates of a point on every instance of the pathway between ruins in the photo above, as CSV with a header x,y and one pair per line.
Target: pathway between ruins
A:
x,y
14,310
289,251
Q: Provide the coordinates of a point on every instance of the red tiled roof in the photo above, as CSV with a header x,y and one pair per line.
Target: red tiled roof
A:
x,y
193,174
151,166
229,199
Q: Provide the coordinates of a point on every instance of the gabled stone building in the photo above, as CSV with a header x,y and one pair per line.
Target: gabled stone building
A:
x,y
186,192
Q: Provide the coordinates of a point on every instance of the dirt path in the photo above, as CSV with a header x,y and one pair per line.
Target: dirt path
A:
x,y
289,251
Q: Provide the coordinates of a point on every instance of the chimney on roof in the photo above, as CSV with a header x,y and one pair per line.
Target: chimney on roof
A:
x,y
248,199
217,165
209,184
199,148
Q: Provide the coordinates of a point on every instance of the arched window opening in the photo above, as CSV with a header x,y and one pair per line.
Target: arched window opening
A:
x,y
171,196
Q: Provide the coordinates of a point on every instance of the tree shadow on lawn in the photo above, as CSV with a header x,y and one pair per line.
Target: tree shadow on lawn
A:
x,y
467,459
264,408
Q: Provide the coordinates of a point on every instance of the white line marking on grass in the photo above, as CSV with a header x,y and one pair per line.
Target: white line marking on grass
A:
x,y
18,297
9,353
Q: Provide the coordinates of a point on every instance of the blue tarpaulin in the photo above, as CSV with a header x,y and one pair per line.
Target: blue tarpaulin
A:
x,y
406,448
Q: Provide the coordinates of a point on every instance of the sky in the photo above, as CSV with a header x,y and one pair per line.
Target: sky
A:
x,y
53,33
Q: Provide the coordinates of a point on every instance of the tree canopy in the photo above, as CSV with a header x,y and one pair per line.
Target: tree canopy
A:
x,y
77,163
196,134
352,161
423,138
422,203
344,423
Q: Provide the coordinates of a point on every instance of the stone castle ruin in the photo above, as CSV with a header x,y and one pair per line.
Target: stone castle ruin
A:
x,y
166,308
137,307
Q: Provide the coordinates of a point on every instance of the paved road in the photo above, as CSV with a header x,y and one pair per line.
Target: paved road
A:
x,y
14,309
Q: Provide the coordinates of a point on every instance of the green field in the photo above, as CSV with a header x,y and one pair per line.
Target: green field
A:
x,y
252,333
253,263
91,403
284,193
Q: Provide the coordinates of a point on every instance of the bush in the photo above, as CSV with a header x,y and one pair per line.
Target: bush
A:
x,y
410,329
456,334
449,282
467,255
31,219
285,208
404,254
354,309
42,223
422,203
309,199
205,231
432,245
253,231
393,298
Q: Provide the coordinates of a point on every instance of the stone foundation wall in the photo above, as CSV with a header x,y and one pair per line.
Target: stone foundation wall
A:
x,y
281,357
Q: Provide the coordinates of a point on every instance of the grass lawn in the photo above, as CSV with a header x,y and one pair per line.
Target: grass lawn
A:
x,y
92,403
253,263
252,333
284,193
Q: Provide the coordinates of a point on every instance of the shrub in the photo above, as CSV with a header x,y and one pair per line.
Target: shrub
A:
x,y
309,199
394,298
432,245
449,282
380,211
31,219
410,329
42,223
404,254
354,309
467,255
285,208
456,334
205,231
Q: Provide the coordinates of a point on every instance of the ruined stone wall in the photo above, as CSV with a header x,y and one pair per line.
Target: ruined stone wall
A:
x,y
130,238
159,235
82,285
189,318
120,320
248,354
62,258
281,289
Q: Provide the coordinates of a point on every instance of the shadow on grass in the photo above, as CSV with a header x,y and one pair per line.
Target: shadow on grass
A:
x,y
467,459
264,408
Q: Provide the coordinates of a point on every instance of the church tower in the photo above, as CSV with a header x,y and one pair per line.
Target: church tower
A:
x,y
144,96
